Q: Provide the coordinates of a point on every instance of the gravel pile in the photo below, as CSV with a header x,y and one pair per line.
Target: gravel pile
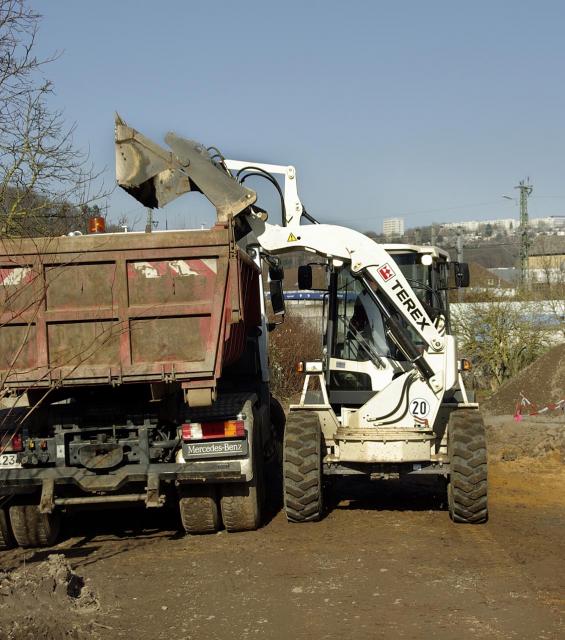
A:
x,y
542,382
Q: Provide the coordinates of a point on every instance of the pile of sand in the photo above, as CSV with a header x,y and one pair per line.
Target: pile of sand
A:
x,y
46,601
542,382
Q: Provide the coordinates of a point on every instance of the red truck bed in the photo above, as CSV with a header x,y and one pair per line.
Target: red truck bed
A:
x,y
124,307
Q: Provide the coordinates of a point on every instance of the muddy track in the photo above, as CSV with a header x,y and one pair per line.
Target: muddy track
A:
x,y
385,563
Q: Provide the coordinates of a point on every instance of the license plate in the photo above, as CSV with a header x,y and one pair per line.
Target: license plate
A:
x,y
215,449
9,461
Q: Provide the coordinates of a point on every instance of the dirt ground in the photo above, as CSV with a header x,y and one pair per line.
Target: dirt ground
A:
x,y
386,562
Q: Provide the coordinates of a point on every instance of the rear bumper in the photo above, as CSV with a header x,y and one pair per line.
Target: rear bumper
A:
x,y
207,471
411,447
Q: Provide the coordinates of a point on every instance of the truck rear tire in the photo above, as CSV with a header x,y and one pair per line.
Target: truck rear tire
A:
x,y
241,503
198,506
467,488
32,528
273,481
241,510
6,536
302,467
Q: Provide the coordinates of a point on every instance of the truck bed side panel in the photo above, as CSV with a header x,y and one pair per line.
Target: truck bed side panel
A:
x,y
121,307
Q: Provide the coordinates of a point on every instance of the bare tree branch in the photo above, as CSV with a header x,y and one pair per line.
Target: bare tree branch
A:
x,y
44,178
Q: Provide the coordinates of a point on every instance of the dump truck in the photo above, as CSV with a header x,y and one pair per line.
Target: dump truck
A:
x,y
134,370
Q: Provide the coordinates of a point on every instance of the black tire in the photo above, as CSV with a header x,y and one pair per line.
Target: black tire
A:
x,y
278,417
302,467
7,540
241,510
241,503
274,460
467,488
198,506
32,528
273,463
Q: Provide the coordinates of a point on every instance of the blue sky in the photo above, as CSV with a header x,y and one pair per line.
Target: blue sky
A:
x,y
426,110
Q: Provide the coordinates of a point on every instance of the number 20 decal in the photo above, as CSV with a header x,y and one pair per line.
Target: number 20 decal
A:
x,y
419,408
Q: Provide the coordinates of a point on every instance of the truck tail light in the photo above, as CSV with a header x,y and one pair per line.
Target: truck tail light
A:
x,y
234,428
11,442
213,430
192,431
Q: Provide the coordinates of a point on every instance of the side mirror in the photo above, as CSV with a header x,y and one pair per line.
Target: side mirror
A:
x,y
305,277
462,277
277,296
276,272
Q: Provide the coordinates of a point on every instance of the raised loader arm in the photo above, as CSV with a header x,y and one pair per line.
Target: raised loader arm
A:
x,y
340,243
156,176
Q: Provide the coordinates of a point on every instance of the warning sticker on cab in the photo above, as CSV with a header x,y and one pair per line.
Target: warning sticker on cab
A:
x,y
292,237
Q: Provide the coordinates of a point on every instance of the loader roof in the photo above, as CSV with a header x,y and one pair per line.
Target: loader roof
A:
x,y
435,252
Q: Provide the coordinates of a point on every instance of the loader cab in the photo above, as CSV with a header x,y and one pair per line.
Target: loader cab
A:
x,y
361,358
429,273
356,344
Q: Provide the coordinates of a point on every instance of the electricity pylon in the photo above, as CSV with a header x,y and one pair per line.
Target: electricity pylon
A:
x,y
525,191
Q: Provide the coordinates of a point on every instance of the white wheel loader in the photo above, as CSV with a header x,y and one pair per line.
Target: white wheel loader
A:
x,y
387,398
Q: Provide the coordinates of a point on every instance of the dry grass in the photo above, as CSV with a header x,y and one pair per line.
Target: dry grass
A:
x,y
296,339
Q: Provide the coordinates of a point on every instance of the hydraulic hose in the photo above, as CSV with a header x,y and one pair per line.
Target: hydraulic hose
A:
x,y
400,336
402,339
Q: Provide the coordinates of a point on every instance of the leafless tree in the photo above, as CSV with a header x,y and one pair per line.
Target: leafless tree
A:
x,y
44,178
500,337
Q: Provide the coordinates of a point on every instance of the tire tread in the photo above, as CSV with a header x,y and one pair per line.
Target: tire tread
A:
x,y
468,474
7,540
32,528
199,509
240,507
302,472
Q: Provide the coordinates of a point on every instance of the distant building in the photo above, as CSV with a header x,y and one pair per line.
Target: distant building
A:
x,y
505,223
469,225
508,274
472,226
393,227
549,223
547,268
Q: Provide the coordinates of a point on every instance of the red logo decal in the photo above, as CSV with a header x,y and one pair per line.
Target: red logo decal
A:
x,y
386,272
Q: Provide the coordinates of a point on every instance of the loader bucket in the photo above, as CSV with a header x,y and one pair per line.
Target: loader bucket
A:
x,y
155,176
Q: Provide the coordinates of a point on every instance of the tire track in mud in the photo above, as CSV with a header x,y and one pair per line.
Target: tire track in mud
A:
x,y
413,572
385,563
